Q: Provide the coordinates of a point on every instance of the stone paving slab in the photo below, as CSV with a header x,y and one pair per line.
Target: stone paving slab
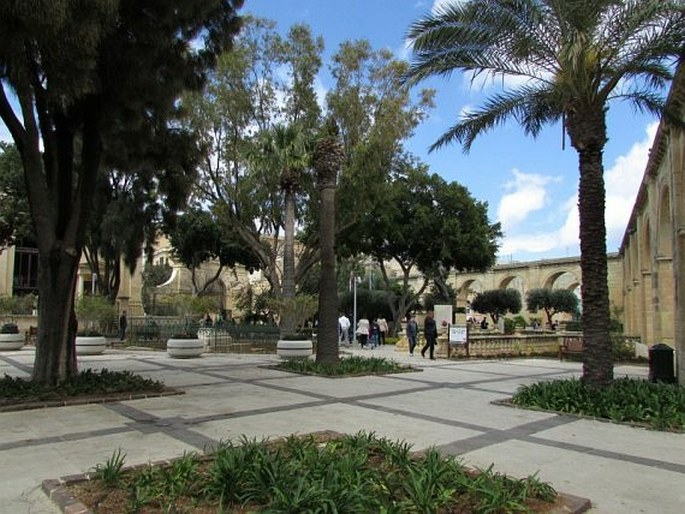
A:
x,y
447,405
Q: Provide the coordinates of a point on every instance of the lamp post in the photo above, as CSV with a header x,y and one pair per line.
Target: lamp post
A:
x,y
355,279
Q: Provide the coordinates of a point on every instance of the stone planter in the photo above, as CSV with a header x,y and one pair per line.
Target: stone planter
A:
x,y
184,348
90,345
301,349
11,341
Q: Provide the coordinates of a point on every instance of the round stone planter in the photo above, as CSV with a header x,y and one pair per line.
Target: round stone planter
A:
x,y
184,348
301,349
90,345
11,341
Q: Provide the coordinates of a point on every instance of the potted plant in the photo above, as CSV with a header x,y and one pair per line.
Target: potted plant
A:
x,y
293,345
185,343
10,337
94,315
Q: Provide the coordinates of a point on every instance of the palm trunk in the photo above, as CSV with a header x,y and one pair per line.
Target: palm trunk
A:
x,y
587,129
327,345
288,293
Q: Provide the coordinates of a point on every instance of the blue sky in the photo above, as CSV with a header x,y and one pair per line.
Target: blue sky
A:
x,y
530,184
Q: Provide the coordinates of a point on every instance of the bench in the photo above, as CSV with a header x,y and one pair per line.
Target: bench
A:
x,y
571,345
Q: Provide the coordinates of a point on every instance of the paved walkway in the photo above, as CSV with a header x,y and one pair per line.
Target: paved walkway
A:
x,y
621,469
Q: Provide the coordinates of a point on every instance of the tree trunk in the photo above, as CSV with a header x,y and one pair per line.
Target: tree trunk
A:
x,y
55,352
327,345
587,129
287,320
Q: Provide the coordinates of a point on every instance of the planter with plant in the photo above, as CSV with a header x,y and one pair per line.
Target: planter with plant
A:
x,y
293,345
95,315
185,343
10,337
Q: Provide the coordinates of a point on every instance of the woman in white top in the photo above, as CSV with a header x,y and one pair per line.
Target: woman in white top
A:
x,y
363,331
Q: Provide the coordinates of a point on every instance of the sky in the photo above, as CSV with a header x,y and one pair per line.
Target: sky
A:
x,y
530,185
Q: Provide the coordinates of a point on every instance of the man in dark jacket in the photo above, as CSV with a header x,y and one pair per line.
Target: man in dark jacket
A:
x,y
430,332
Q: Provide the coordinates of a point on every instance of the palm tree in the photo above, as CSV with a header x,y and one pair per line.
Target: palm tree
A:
x,y
328,158
284,148
570,57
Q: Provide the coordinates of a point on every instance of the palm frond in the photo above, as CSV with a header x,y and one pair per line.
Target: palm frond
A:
x,y
530,106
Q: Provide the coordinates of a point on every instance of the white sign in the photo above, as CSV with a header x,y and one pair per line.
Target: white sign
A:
x,y
458,334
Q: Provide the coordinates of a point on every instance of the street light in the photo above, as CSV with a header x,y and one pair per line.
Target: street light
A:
x,y
355,279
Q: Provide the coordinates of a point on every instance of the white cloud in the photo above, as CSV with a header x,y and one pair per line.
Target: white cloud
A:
x,y
622,181
527,193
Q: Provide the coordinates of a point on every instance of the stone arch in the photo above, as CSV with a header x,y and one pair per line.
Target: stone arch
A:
x,y
561,279
664,230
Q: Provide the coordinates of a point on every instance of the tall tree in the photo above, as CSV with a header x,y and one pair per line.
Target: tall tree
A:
x,y
79,72
497,302
576,55
426,226
327,159
198,238
552,301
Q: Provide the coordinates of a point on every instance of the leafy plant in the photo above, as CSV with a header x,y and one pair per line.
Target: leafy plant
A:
x,y
9,328
325,473
657,405
353,365
112,470
95,315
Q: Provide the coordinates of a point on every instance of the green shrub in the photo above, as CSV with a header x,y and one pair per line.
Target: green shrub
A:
x,y
9,328
658,405
95,315
509,326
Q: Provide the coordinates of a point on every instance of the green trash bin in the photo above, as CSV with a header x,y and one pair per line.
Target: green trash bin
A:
x,y
661,367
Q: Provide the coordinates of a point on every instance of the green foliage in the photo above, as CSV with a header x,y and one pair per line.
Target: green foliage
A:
x,y
509,326
370,303
552,301
18,304
9,328
348,366
497,302
95,314
520,322
657,405
15,218
88,382
197,237
112,471
298,309
316,473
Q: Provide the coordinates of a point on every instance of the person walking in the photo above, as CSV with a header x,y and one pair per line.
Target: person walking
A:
x,y
430,332
383,326
412,333
343,329
374,333
123,323
363,331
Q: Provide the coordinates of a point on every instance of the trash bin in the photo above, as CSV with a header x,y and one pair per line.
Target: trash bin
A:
x,y
661,363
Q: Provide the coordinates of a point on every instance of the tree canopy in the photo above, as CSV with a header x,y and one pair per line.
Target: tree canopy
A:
x,y
83,76
497,302
552,301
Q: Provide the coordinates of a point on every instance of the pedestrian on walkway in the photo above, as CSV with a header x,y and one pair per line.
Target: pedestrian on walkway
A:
x,y
123,323
430,332
383,326
343,329
363,331
412,333
374,333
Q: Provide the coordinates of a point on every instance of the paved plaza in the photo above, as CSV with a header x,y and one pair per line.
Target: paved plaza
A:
x,y
622,469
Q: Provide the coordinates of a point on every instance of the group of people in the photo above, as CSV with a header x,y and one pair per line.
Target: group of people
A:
x,y
373,332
